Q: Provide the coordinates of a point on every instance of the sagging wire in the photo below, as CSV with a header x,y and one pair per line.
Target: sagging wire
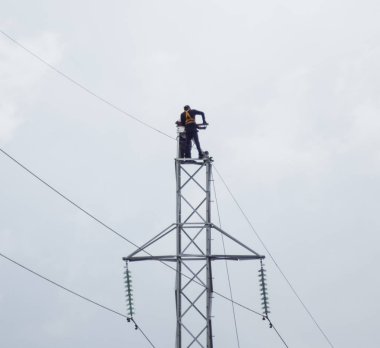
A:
x,y
106,226
226,264
263,285
167,135
143,123
79,295
275,262
116,233
83,87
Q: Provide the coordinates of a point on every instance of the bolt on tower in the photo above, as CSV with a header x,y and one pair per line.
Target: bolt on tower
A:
x,y
193,253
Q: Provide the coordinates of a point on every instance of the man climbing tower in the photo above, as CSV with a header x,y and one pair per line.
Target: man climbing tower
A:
x,y
188,120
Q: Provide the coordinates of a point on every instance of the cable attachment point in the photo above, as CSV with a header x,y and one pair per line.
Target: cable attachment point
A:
x,y
129,293
263,291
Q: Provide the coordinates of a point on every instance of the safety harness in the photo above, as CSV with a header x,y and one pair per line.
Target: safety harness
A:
x,y
189,119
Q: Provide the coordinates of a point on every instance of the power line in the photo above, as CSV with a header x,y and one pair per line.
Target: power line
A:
x,y
274,261
233,302
66,198
86,89
142,332
101,222
124,238
239,304
83,87
255,312
278,334
115,232
110,229
230,287
226,264
78,295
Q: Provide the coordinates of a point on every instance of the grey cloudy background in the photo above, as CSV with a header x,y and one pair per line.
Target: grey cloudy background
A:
x,y
290,90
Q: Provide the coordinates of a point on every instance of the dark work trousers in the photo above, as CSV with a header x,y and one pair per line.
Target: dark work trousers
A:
x,y
192,134
182,145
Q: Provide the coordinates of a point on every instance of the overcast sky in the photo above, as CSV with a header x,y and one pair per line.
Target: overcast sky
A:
x,y
291,91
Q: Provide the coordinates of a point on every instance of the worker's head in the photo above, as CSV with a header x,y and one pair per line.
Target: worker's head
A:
x,y
186,107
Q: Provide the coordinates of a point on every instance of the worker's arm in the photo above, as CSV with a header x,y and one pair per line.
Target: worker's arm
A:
x,y
196,112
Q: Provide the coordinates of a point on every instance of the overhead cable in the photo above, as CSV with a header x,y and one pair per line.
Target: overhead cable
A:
x,y
83,87
108,227
278,334
226,264
78,295
119,109
66,198
274,261
255,312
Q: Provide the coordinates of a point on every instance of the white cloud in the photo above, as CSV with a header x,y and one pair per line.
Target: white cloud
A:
x,y
8,121
318,117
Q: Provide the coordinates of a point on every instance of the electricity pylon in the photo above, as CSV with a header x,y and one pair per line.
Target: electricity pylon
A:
x,y
194,255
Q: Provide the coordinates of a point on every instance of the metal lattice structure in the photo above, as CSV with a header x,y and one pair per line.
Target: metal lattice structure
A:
x,y
193,255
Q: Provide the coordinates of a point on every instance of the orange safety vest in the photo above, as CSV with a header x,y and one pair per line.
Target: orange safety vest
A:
x,y
189,119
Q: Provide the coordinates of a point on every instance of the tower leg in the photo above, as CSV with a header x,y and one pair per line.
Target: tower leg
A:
x,y
178,286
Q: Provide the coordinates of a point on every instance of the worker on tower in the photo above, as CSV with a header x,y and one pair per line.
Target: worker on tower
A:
x,y
191,129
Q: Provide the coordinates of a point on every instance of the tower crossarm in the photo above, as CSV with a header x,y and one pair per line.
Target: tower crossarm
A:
x,y
188,257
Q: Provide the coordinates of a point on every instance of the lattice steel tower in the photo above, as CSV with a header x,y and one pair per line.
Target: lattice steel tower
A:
x,y
193,254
